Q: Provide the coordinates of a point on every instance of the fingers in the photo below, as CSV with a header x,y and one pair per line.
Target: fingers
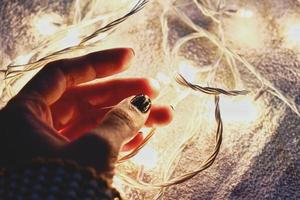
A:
x,y
138,139
112,92
118,126
52,81
84,100
124,120
159,115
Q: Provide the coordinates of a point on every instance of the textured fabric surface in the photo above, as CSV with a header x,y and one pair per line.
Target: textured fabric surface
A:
x,y
54,179
259,160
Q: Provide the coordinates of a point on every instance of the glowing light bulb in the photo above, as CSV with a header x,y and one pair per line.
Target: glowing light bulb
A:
x,y
244,30
290,30
238,109
22,59
293,33
72,38
187,70
245,13
45,24
146,157
117,183
163,78
154,84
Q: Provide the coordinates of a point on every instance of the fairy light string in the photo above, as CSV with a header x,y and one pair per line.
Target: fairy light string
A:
x,y
207,90
214,10
216,92
14,71
138,148
107,28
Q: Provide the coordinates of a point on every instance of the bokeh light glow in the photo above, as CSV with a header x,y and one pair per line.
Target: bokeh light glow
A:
x,y
46,25
238,111
147,157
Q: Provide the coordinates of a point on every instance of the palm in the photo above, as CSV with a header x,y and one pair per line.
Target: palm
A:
x,y
53,112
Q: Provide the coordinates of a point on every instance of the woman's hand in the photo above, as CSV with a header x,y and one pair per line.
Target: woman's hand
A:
x,y
56,115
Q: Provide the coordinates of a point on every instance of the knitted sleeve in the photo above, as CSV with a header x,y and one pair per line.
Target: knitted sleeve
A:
x,y
54,179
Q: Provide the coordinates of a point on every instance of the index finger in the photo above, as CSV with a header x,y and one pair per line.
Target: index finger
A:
x,y
52,81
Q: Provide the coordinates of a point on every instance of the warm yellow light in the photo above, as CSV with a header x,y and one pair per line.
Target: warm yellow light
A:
x,y
98,38
245,30
245,13
187,70
147,157
290,31
154,83
238,109
45,24
293,33
163,78
117,183
22,59
72,38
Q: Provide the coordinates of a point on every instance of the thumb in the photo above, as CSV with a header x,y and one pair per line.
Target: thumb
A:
x,y
122,122
100,147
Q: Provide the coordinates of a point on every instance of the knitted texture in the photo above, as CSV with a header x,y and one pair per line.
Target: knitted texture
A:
x,y
54,179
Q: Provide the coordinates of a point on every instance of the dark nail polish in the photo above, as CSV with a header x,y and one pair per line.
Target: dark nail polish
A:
x,y
141,102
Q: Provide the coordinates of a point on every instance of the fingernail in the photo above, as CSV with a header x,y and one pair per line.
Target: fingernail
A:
x,y
141,102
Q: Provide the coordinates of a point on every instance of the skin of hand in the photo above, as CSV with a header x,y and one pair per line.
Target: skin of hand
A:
x,y
59,114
